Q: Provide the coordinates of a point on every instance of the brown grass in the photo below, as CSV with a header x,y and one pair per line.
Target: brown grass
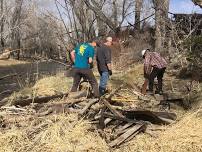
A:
x,y
11,62
44,87
64,134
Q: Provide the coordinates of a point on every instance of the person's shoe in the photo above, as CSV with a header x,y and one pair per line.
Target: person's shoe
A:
x,y
159,92
102,91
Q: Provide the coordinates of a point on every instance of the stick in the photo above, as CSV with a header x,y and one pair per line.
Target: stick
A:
x,y
7,76
114,111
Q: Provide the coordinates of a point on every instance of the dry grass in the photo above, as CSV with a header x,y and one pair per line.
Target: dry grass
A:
x,y
53,85
10,62
45,87
66,133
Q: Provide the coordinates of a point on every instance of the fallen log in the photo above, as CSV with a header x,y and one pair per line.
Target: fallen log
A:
x,y
25,102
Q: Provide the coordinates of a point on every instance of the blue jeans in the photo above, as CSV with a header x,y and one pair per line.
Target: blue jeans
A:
x,y
103,82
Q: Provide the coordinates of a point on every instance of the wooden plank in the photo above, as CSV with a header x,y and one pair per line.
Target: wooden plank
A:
x,y
135,129
142,129
101,119
123,128
89,104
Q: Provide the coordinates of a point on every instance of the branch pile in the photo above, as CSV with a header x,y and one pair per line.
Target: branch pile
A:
x,y
115,122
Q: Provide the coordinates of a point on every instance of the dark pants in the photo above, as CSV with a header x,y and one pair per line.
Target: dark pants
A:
x,y
156,72
87,74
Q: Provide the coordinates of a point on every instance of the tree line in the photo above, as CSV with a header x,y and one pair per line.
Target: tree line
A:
x,y
49,34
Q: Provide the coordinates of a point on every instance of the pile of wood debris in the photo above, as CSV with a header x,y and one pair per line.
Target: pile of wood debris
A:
x,y
117,122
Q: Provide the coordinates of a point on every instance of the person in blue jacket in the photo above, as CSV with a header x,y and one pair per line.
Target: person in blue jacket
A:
x,y
82,57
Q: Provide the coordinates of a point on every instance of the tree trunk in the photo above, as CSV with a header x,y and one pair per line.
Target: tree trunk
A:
x,y
114,12
2,23
15,35
101,26
161,19
138,7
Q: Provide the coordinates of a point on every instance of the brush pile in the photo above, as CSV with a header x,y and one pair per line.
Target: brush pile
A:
x,y
116,122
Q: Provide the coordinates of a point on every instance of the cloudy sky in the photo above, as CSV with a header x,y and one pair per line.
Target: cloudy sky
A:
x,y
184,6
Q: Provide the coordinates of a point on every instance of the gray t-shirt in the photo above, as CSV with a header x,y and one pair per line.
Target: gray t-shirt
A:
x,y
103,57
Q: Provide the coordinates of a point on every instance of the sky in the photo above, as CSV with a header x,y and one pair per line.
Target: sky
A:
x,y
184,6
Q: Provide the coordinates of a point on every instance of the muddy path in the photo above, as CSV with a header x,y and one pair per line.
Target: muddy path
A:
x,y
25,75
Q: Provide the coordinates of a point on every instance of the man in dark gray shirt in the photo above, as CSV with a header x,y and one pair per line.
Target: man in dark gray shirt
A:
x,y
103,57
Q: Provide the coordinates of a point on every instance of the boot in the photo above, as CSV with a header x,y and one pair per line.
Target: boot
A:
x,y
102,91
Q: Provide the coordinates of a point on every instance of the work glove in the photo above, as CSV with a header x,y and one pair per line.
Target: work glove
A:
x,y
110,72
